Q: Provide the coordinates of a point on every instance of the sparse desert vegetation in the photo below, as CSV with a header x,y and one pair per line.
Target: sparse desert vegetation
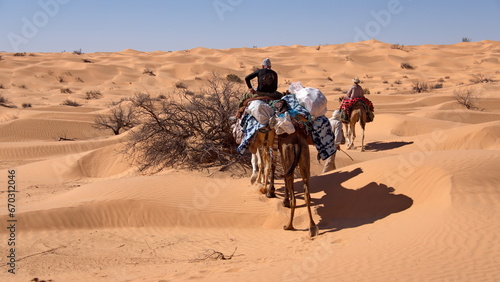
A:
x,y
190,131
480,78
66,90
122,117
234,78
148,71
406,66
420,86
94,94
72,103
468,97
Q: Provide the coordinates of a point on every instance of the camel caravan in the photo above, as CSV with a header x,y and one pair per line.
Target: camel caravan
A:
x,y
270,121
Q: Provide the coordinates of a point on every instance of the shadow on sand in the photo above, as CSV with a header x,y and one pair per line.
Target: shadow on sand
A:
x,y
384,146
342,208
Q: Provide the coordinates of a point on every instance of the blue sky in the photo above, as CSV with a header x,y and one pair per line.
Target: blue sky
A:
x,y
170,25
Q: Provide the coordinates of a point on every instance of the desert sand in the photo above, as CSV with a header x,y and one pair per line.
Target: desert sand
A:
x,y
422,203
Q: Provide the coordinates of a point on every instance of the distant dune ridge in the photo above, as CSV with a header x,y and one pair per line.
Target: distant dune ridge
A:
x,y
421,204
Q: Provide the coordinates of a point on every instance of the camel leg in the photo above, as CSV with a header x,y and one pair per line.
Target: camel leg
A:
x,y
284,162
305,171
353,129
362,122
348,137
269,175
271,192
267,172
352,135
255,166
292,201
362,137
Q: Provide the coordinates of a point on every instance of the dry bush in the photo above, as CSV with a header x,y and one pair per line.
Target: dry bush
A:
x,y
466,39
121,117
468,97
4,101
234,78
180,85
78,52
398,47
148,71
26,105
406,66
66,90
89,95
20,54
436,86
480,78
186,130
71,103
420,86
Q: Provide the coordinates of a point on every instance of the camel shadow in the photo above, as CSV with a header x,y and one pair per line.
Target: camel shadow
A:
x,y
342,208
384,146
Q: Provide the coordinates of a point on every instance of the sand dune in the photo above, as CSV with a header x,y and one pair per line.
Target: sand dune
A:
x,y
420,204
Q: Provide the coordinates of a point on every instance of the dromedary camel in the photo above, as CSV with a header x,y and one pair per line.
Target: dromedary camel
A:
x,y
358,113
294,151
263,167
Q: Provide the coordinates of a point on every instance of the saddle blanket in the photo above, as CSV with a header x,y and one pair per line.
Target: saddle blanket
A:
x,y
321,129
348,103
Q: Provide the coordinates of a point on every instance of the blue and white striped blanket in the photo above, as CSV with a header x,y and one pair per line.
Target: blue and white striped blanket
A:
x,y
321,129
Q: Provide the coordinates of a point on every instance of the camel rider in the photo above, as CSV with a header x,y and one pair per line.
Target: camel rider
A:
x,y
356,90
267,83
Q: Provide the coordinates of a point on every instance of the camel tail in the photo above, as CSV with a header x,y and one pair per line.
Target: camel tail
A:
x,y
297,149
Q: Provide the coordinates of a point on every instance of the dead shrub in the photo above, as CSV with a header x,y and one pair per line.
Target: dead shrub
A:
x,y
420,86
5,102
406,66
66,90
468,97
180,85
69,102
234,78
190,131
481,78
148,71
89,95
398,47
122,117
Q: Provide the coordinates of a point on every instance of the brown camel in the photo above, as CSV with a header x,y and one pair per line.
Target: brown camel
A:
x,y
358,113
294,151
263,167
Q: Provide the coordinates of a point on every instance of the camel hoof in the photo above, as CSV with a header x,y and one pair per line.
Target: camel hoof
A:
x,y
271,194
286,203
288,227
253,178
313,231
